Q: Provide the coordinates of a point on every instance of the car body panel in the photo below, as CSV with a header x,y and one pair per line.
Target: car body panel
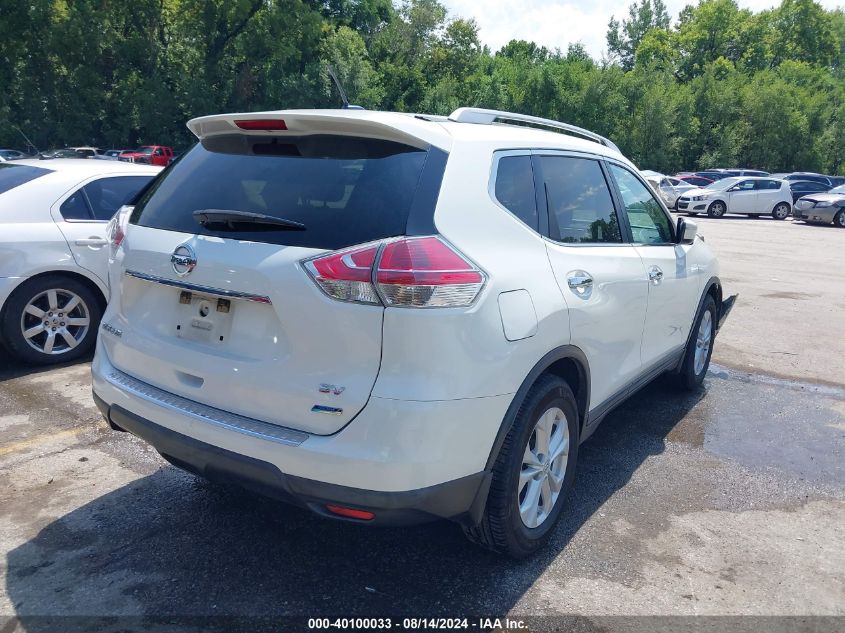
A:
x,y
423,392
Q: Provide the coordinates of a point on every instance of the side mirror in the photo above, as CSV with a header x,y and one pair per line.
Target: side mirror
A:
x,y
686,231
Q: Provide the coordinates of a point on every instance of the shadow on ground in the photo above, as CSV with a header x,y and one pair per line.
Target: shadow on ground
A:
x,y
11,368
170,544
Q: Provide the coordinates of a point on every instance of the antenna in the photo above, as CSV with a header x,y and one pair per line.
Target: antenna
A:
x,y
29,143
346,105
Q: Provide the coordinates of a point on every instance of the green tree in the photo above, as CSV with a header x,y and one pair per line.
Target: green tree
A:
x,y
624,37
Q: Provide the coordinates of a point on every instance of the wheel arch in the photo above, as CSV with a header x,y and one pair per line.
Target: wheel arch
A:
x,y
568,362
95,286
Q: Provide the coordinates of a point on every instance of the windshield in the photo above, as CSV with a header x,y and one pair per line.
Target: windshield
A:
x,y
143,150
345,190
724,184
839,189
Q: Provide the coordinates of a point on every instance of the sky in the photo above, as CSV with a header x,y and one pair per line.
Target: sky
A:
x,y
557,24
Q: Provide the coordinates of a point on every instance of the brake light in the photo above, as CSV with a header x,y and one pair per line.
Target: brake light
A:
x,y
346,275
415,272
116,229
425,272
261,124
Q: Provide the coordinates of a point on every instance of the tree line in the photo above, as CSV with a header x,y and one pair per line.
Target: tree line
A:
x,y
715,85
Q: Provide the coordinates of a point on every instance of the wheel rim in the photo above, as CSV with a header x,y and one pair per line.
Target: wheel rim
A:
x,y
781,211
543,467
718,209
55,321
840,218
702,342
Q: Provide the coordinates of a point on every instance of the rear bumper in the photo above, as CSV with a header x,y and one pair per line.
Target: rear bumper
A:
x,y
406,461
461,500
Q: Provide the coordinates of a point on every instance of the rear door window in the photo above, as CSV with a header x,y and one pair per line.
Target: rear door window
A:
x,y
345,190
107,195
515,188
12,176
580,205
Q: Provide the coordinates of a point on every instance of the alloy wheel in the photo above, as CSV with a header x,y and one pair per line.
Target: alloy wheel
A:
x,y
55,321
781,211
703,340
543,467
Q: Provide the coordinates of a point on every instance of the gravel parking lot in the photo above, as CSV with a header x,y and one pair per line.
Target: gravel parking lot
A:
x,y
729,501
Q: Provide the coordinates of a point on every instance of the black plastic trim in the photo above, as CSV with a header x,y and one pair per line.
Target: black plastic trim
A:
x,y
461,500
596,415
421,214
559,353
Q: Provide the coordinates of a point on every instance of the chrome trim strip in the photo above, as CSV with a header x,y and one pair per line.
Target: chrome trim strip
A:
x,y
219,292
205,413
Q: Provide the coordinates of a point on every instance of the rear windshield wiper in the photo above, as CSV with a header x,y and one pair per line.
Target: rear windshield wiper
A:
x,y
231,220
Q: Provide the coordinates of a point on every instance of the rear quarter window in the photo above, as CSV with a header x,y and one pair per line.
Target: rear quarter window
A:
x,y
345,190
12,176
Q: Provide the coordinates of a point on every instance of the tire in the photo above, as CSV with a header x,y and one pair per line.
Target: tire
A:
x,y
716,209
21,314
503,527
693,370
781,211
839,219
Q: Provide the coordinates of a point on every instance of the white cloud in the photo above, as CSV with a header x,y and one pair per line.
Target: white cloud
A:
x,y
558,24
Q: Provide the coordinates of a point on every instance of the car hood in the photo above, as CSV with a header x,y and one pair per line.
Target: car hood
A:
x,y
696,191
832,197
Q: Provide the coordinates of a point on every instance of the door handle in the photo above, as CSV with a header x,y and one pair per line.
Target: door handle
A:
x,y
655,275
580,282
92,241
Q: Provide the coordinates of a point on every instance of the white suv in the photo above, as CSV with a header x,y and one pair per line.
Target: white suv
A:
x,y
391,318
755,196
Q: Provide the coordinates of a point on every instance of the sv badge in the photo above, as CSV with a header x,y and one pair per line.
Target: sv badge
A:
x,y
332,389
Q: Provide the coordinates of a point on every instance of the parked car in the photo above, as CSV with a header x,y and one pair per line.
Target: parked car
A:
x,y
800,188
712,175
823,207
87,151
735,171
807,175
12,154
60,153
669,189
113,154
328,314
150,155
754,196
837,181
695,181
53,255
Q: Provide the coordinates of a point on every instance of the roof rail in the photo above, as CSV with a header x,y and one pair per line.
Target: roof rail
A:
x,y
488,117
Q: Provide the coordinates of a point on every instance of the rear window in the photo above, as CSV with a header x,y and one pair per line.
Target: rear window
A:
x,y
344,190
12,176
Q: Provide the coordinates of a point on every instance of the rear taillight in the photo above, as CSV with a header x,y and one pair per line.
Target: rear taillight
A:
x,y
116,229
346,275
415,272
425,272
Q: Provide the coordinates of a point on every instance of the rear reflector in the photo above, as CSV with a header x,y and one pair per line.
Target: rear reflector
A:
x,y
413,272
351,513
261,124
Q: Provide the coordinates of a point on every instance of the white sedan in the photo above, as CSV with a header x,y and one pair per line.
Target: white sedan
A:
x,y
53,255
743,195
